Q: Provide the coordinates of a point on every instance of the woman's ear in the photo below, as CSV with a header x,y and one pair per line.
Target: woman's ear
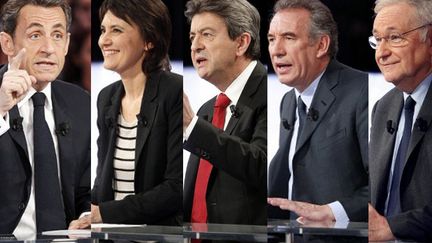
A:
x,y
148,46
7,44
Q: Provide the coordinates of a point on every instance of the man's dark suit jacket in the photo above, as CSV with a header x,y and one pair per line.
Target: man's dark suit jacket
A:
x,y
72,121
330,162
158,154
415,221
236,192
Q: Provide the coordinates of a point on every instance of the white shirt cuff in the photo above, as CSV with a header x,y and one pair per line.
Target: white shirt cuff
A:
x,y
338,211
189,129
4,124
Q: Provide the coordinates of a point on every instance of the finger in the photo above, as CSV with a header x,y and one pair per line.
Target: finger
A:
x,y
16,89
26,80
32,79
373,214
20,83
288,205
17,76
273,201
73,224
23,82
276,201
301,209
185,99
16,61
370,209
301,220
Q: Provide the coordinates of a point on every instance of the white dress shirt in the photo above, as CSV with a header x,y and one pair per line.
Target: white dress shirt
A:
x,y
418,95
26,228
233,92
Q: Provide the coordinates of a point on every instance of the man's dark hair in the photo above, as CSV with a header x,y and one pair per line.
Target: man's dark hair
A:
x,y
11,9
239,17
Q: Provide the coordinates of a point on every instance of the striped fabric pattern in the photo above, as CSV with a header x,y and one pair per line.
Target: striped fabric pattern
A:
x,y
124,159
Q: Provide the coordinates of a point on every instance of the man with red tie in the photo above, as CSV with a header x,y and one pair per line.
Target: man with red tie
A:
x,y
225,180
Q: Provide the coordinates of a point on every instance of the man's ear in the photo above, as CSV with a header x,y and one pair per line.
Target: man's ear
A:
x,y
429,39
7,44
323,46
243,42
67,44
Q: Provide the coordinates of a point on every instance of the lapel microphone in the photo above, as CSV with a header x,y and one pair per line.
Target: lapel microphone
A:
x,y
142,120
16,124
62,129
390,128
234,111
109,121
206,118
286,125
420,124
312,114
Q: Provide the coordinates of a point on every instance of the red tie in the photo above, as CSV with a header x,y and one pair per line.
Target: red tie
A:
x,y
199,207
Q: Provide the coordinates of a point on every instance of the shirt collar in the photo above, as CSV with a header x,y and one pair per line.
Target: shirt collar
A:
x,y
32,91
419,94
235,89
308,94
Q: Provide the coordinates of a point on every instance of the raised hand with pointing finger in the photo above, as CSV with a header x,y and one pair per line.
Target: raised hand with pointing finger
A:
x,y
15,84
34,105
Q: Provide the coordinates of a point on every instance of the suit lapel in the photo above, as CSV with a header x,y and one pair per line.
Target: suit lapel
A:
x,y
421,125
16,131
63,123
246,96
67,157
207,113
392,113
111,112
147,113
15,123
279,169
322,101
288,115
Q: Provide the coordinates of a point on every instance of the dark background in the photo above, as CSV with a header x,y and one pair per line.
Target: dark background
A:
x,y
354,19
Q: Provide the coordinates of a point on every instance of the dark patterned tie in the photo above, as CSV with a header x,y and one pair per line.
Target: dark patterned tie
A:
x,y
50,213
301,107
394,206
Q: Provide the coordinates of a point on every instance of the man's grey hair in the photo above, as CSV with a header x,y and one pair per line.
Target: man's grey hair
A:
x,y
321,20
423,12
239,17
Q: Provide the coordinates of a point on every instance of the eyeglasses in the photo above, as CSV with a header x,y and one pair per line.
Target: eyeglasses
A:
x,y
394,39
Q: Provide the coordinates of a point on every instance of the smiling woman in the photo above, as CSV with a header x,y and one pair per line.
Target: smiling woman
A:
x,y
139,173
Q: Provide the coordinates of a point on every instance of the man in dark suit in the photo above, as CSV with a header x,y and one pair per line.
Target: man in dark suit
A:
x,y
401,134
225,180
44,123
320,170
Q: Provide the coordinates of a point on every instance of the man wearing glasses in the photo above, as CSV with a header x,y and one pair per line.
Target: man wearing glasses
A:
x,y
400,149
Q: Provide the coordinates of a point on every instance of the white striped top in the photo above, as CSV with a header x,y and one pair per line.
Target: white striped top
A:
x,y
124,159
